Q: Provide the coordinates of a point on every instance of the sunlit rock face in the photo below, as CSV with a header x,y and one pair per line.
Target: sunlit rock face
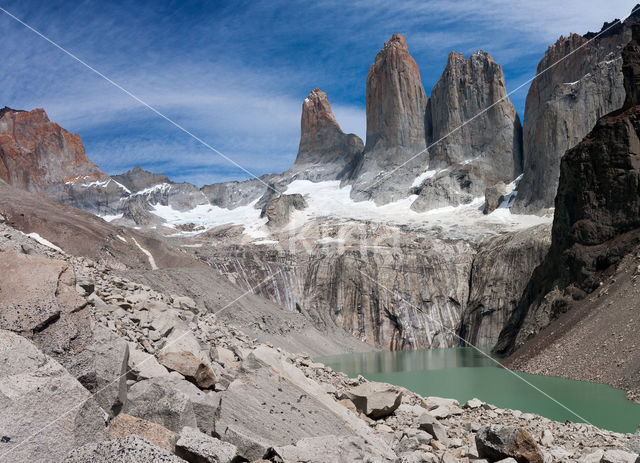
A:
x,y
396,103
325,152
597,215
580,81
37,154
473,131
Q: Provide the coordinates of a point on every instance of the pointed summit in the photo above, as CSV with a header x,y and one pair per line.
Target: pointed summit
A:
x,y
322,141
395,100
396,104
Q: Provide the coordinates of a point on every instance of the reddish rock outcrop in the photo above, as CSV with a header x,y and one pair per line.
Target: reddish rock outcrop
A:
x,y
36,153
323,144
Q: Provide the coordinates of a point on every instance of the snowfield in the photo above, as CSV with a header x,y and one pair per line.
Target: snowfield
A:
x,y
328,200
208,217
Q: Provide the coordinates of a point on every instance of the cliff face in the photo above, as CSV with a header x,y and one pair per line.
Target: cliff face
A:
x,y
493,140
395,101
396,104
394,289
597,215
37,154
501,269
40,156
325,151
564,103
474,148
354,281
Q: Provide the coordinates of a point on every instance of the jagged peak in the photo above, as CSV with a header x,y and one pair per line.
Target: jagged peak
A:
x,y
7,109
396,41
478,54
608,29
321,138
572,38
317,109
616,26
453,56
395,49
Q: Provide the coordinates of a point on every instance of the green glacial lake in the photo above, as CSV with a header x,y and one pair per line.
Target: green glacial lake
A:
x,y
464,373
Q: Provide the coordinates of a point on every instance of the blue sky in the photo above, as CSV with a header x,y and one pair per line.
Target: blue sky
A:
x,y
235,73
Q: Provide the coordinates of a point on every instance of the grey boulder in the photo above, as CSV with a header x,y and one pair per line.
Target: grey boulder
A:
x,y
197,447
634,442
618,456
111,360
189,366
144,366
172,402
132,449
496,442
430,424
38,299
324,449
376,400
43,409
411,440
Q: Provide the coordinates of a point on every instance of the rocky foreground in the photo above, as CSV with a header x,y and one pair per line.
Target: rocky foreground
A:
x,y
94,367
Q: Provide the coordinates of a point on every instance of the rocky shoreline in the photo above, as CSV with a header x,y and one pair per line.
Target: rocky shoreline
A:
x,y
171,383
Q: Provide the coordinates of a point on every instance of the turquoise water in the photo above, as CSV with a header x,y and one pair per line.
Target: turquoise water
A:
x,y
464,373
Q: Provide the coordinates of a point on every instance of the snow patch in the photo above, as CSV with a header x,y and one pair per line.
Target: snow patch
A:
x,y
208,217
327,199
102,184
422,177
44,242
329,240
111,218
152,261
160,187
266,242
121,238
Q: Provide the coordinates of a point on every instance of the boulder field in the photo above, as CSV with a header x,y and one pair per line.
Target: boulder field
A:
x,y
157,377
